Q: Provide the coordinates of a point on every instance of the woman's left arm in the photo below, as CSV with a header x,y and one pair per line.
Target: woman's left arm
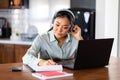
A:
x,y
77,33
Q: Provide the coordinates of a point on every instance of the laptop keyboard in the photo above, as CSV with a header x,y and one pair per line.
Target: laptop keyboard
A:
x,y
69,64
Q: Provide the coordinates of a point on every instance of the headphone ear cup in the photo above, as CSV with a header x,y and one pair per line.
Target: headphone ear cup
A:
x,y
71,28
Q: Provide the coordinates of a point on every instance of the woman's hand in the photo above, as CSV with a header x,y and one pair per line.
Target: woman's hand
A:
x,y
46,62
77,32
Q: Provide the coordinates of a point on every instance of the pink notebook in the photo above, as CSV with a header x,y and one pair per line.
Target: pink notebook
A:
x,y
51,74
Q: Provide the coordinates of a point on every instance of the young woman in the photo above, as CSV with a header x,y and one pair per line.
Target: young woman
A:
x,y
60,42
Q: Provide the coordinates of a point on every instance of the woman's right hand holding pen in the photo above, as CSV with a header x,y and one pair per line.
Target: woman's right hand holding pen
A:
x,y
46,62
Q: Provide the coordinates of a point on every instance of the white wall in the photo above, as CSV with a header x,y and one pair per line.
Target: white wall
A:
x,y
41,12
119,30
107,21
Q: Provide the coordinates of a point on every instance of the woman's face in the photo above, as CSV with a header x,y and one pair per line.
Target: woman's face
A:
x,y
61,27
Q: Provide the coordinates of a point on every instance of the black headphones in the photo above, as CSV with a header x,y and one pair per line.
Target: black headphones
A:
x,y
69,15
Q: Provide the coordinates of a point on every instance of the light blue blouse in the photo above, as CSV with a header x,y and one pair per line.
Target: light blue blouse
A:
x,y
48,42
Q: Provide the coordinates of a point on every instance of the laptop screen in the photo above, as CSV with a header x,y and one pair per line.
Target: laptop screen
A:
x,y
93,53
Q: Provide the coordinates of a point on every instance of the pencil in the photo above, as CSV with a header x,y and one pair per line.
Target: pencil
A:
x,y
49,55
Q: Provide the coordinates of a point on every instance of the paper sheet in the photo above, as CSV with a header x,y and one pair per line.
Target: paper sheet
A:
x,y
37,68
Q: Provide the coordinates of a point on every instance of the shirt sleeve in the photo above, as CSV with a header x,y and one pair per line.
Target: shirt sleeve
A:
x,y
31,56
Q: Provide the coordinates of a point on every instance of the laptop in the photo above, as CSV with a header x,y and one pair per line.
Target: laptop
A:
x,y
91,54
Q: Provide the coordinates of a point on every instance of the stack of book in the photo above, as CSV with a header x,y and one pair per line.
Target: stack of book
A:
x,y
48,72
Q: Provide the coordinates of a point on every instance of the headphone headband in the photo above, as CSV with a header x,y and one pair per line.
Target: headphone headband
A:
x,y
65,10
68,12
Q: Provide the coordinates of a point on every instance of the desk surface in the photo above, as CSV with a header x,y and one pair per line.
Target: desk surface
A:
x,y
111,72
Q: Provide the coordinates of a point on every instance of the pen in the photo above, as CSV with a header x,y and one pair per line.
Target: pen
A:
x,y
48,55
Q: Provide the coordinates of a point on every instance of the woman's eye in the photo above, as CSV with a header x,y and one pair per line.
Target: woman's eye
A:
x,y
57,25
65,27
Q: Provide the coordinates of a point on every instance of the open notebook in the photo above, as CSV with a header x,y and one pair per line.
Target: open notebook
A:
x,y
36,68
